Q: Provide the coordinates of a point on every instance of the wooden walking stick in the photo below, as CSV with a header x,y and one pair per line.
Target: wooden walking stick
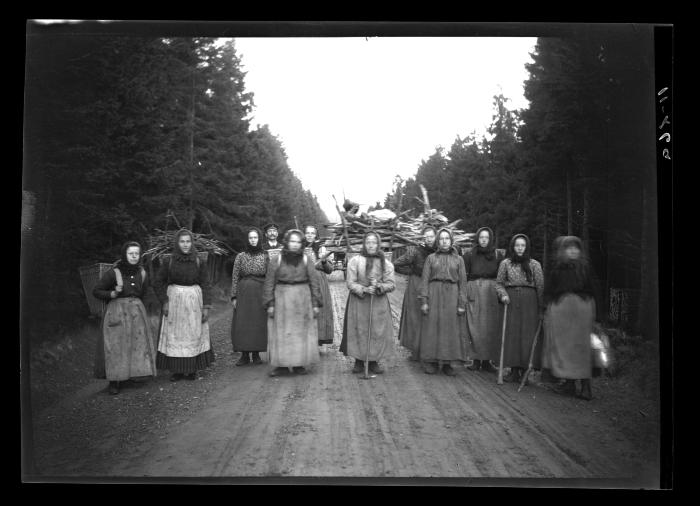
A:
x,y
369,332
503,342
532,355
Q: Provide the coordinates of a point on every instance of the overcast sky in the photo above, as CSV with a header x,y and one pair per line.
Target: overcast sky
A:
x,y
354,112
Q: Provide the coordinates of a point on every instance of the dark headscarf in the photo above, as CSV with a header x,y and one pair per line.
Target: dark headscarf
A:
x,y
292,257
568,275
254,250
452,250
523,261
316,245
177,252
371,257
489,252
123,263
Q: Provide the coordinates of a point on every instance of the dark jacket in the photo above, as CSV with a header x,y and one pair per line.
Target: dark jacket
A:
x,y
178,271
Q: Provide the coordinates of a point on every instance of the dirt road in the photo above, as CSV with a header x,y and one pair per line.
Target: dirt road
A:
x,y
238,422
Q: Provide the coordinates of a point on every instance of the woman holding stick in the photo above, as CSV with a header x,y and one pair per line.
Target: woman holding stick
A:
x,y
127,350
370,279
443,295
249,323
317,252
411,315
182,286
570,315
484,313
292,297
520,284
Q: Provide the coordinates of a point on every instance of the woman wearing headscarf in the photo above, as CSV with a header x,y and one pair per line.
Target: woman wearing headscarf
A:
x,y
520,285
443,294
127,349
182,286
317,252
570,314
370,278
249,323
292,297
484,313
411,315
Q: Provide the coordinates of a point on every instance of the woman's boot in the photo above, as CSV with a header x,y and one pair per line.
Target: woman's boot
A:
x,y
359,366
513,376
256,358
486,366
567,388
375,368
113,387
245,359
430,368
448,370
475,365
586,393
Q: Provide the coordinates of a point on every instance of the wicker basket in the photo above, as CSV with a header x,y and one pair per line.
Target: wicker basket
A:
x,y
89,276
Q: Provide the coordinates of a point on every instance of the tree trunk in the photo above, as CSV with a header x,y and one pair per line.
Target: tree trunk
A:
x,y
585,228
569,203
190,212
545,247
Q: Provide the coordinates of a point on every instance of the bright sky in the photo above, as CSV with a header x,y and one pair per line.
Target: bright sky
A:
x,y
354,112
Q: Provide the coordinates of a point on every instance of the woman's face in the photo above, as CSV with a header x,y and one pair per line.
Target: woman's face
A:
x,y
572,252
253,238
310,234
132,254
484,238
271,233
371,244
294,242
444,241
429,237
520,245
185,243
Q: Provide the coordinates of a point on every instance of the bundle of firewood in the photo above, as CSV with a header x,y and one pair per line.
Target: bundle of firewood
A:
x,y
161,243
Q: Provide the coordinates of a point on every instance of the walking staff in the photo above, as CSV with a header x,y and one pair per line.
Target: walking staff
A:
x,y
503,343
372,282
532,356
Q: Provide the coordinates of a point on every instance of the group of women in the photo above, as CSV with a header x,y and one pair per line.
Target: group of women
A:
x,y
453,308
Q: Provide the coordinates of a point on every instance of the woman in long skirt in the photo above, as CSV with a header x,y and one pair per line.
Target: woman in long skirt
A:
x,y
127,349
182,285
520,285
484,313
570,316
292,297
317,252
443,295
411,315
249,323
370,278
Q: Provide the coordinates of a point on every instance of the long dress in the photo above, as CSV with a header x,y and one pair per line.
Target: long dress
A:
x,y
126,349
568,324
411,315
523,312
293,290
356,328
249,322
326,329
443,288
484,313
184,345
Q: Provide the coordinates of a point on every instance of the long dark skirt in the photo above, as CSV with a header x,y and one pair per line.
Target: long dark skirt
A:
x,y
249,323
484,319
523,316
443,332
411,317
325,315
185,365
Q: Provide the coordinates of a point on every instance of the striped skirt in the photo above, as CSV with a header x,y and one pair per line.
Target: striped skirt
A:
x,y
127,349
184,345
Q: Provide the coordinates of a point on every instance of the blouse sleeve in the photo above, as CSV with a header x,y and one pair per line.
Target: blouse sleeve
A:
x,y
204,284
104,287
462,285
501,278
425,280
315,282
160,284
539,281
467,259
387,283
406,258
323,265
235,275
269,285
352,282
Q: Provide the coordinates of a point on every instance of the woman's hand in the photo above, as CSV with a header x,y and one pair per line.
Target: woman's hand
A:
x,y
460,311
505,299
316,311
371,289
113,294
165,309
271,312
424,308
233,303
205,315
